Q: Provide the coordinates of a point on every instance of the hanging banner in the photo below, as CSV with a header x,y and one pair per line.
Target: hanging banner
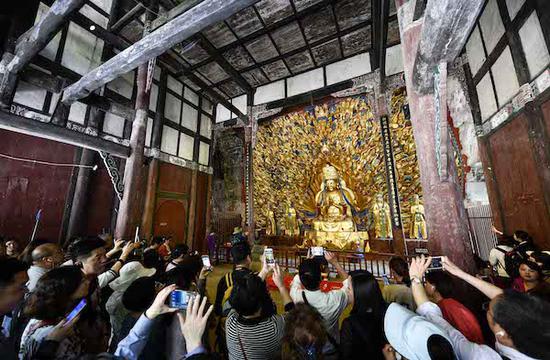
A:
x,y
390,171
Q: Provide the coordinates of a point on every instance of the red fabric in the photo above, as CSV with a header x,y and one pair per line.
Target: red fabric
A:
x,y
325,286
461,319
163,251
518,285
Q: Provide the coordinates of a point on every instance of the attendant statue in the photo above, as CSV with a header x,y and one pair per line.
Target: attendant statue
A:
x,y
271,224
334,203
292,227
382,218
418,220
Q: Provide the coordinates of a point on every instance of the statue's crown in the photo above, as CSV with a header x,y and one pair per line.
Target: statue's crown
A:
x,y
330,172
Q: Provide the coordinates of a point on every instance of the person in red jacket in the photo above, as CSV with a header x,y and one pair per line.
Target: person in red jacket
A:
x,y
439,286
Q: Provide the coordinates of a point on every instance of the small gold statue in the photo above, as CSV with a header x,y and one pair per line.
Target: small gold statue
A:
x,y
382,218
418,220
272,224
292,226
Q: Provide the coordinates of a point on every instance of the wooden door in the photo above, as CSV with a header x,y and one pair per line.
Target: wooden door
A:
x,y
171,219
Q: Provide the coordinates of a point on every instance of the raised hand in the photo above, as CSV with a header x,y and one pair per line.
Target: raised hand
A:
x,y
194,323
278,276
449,266
159,306
63,329
331,257
419,265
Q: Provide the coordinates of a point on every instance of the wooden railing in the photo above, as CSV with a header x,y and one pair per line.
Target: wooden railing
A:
x,y
290,258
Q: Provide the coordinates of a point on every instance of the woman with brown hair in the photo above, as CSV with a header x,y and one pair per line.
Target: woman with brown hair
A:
x,y
55,295
305,334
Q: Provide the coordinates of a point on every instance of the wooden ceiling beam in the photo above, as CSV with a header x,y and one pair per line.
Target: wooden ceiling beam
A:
x,y
218,58
182,27
127,18
32,42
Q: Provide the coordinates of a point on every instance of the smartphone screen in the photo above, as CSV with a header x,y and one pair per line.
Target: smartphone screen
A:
x,y
386,279
317,251
269,258
78,308
179,299
206,261
436,264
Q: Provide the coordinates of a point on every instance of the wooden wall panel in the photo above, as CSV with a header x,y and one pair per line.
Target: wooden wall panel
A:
x,y
26,187
546,113
174,179
100,201
519,186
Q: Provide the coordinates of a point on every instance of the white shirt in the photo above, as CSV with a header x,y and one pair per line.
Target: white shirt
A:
x,y
465,349
330,305
496,258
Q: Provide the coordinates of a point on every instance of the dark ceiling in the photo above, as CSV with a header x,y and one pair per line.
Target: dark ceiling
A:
x,y
275,39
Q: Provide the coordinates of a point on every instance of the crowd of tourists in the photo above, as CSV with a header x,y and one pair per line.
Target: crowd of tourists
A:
x,y
102,299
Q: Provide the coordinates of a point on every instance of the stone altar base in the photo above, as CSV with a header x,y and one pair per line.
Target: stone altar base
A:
x,y
338,240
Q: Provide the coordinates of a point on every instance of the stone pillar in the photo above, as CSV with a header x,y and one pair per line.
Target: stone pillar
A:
x,y
444,206
80,198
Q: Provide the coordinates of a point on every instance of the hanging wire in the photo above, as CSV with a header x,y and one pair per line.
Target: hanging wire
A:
x,y
93,167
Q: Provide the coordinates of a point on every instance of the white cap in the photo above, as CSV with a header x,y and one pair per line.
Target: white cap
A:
x,y
408,333
129,273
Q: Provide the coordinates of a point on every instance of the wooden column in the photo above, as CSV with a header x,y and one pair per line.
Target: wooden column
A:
x,y
129,210
192,213
154,166
150,199
80,198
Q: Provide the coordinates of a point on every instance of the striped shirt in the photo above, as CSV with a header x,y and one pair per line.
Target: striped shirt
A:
x,y
260,338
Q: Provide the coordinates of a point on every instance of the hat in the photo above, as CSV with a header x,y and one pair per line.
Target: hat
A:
x,y
237,230
129,273
408,333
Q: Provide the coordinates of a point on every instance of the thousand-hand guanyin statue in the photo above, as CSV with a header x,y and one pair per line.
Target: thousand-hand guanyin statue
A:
x,y
334,203
333,225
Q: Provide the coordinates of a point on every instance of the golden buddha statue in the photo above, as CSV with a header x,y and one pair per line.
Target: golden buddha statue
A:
x,y
382,218
334,203
292,227
418,220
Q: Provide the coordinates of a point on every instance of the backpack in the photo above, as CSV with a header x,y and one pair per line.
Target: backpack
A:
x,y
225,300
220,344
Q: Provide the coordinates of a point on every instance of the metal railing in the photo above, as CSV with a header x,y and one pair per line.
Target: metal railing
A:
x,y
483,238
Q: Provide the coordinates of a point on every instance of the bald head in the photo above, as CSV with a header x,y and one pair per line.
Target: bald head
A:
x,y
47,256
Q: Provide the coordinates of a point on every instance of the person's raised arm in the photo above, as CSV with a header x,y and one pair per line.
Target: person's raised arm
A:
x,y
118,246
418,268
132,345
490,290
333,259
265,269
278,279
126,251
193,325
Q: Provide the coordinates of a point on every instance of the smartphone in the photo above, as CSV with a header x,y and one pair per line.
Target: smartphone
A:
x,y
269,258
179,299
436,264
206,261
78,308
317,251
385,279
